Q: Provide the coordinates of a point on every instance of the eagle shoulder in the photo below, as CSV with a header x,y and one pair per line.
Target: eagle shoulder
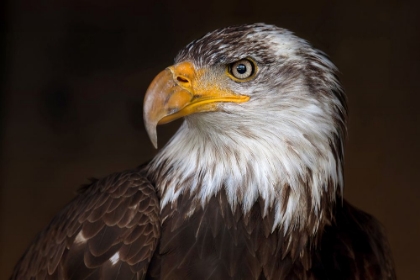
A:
x,y
109,231
353,246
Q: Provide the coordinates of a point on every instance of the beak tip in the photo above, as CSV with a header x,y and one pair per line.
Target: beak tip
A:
x,y
151,131
154,142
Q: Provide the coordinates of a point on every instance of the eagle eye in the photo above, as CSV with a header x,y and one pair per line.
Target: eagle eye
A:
x,y
242,69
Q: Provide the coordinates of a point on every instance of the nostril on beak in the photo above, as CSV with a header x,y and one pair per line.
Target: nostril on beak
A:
x,y
182,79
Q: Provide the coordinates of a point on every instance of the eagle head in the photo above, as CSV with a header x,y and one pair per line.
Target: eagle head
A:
x,y
264,118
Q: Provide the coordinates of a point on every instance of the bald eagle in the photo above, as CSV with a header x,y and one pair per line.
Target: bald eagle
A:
x,y
250,187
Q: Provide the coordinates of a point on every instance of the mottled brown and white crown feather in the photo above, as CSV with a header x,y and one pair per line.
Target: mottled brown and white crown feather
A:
x,y
284,145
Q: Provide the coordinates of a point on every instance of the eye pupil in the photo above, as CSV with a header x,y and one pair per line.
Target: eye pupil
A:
x,y
241,68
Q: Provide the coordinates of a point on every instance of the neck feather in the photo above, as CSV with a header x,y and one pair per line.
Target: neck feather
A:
x,y
296,174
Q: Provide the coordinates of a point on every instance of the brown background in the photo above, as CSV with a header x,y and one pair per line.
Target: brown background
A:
x,y
74,74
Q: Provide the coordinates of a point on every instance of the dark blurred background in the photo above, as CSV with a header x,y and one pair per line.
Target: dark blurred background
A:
x,y
74,75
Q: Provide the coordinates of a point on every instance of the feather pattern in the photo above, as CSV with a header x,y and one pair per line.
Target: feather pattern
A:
x,y
109,231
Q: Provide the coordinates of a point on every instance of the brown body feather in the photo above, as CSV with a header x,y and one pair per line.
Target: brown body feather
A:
x,y
218,243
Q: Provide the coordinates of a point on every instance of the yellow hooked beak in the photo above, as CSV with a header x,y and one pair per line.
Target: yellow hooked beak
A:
x,y
181,90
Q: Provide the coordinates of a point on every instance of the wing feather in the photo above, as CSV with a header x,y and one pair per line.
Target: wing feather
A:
x,y
109,231
354,246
